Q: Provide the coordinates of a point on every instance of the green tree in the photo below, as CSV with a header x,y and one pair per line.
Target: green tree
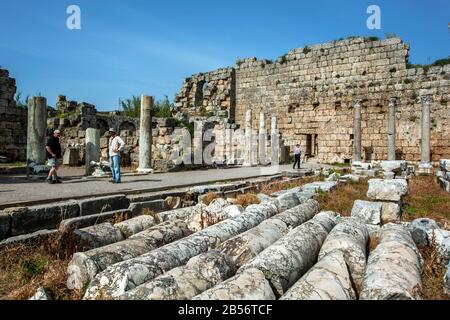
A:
x,y
19,102
131,107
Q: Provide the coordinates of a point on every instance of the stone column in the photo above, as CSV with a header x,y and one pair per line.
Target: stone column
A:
x,y
262,139
275,145
37,129
425,165
391,129
357,131
145,136
198,142
229,144
248,139
92,148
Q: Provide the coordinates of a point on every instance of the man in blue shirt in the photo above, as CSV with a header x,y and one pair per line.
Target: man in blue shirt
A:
x,y
297,156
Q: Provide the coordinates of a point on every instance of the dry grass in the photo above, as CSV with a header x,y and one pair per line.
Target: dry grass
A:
x,y
427,199
341,199
247,199
433,274
209,197
26,267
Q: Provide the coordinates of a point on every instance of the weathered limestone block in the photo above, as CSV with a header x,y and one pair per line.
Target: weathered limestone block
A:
x,y
368,212
395,166
287,201
103,204
41,294
387,190
85,265
68,225
147,207
444,164
394,268
35,218
135,225
198,275
444,184
247,245
248,285
423,229
126,275
98,235
333,177
284,262
350,236
5,225
326,186
329,279
426,231
390,212
373,230
447,280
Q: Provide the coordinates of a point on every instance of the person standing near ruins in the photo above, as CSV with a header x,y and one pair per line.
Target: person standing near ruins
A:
x,y
54,153
116,145
297,156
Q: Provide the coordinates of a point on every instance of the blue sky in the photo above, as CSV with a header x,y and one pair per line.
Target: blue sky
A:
x,y
126,48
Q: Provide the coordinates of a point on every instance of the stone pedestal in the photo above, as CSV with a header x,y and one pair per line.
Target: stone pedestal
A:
x,y
357,131
92,148
37,129
391,129
145,136
425,166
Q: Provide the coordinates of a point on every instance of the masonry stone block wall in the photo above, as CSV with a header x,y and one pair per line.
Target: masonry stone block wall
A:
x,y
13,121
208,94
312,90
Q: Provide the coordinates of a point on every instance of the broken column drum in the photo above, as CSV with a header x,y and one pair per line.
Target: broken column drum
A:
x,y
92,148
37,129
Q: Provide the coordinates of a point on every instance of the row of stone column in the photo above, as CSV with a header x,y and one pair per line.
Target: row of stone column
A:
x,y
425,125
249,155
37,129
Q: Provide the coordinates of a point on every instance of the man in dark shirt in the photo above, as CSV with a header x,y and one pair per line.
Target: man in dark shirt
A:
x,y
54,153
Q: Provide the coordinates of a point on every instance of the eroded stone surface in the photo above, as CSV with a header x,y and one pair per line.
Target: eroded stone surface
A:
x,y
368,212
387,190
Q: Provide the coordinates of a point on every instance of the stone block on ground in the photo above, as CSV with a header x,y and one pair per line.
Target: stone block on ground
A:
x,y
103,204
390,212
41,294
387,190
5,225
395,166
368,212
87,221
48,216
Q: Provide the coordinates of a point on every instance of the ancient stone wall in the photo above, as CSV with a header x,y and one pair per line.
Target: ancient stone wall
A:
x,y
312,91
208,94
13,121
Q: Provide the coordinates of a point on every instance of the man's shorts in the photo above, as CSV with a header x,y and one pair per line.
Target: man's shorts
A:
x,y
54,162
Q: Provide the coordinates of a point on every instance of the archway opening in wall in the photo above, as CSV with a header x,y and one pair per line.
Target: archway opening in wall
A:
x,y
308,151
102,125
199,93
128,127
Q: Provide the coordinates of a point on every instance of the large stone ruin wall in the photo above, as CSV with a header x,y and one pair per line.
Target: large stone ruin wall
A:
x,y
13,121
312,91
208,94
